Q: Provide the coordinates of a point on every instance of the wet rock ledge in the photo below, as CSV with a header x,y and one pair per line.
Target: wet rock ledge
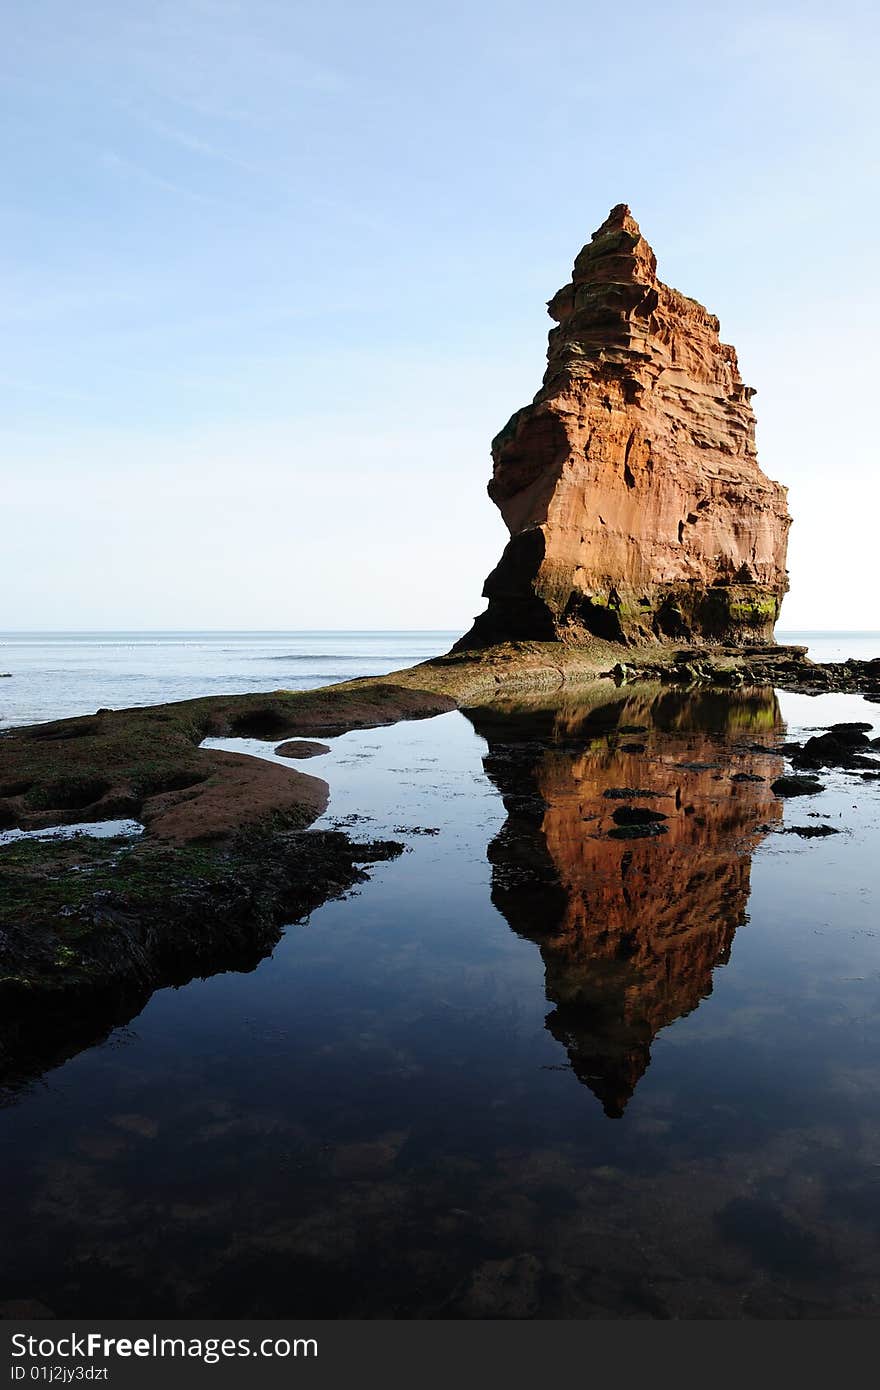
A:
x,y
787,668
88,928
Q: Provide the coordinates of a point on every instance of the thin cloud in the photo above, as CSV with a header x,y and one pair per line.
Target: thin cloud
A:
x,y
118,163
196,145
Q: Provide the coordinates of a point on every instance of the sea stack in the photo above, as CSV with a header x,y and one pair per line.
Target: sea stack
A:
x,y
630,486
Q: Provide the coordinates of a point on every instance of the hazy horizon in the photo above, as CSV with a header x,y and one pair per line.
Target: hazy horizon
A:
x,y
275,275
347,631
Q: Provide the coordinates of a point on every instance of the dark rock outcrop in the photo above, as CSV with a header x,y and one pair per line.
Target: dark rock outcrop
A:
x,y
794,785
89,928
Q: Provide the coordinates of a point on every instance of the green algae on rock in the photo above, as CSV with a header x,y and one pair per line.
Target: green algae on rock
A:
x,y
89,928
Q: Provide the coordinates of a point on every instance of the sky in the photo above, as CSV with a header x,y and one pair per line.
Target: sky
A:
x,y
273,274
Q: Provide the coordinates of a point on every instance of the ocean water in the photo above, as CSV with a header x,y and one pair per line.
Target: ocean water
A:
x,y
833,646
531,1068
53,675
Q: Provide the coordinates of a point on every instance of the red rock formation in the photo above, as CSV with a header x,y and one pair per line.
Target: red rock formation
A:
x,y
631,486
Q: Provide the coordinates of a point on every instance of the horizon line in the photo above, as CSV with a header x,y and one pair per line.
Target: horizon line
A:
x,y
318,631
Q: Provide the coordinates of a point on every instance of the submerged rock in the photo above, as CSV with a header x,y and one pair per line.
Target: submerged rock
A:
x,y
838,748
301,748
792,785
809,832
630,486
853,733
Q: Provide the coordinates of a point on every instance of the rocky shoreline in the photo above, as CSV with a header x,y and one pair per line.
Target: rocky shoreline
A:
x,y
787,668
89,928
647,546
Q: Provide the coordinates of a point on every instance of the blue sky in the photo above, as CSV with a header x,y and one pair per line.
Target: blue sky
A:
x,y
273,274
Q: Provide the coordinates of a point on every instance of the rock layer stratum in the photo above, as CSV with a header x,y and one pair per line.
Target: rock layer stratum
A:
x,y
630,486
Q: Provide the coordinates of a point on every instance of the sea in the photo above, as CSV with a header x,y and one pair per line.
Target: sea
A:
x,y
548,1062
53,675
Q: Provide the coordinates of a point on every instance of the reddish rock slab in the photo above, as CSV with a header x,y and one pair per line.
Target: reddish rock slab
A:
x,y
630,486
301,748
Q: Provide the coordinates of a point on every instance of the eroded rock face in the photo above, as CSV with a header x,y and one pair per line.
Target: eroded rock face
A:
x,y
630,486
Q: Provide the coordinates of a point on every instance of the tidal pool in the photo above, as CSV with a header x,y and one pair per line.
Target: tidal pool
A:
x,y
554,1061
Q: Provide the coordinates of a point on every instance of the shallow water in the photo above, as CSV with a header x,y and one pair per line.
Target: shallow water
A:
x,y
529,1069
92,830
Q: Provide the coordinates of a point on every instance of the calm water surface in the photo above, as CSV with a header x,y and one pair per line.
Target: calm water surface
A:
x,y
53,675
529,1069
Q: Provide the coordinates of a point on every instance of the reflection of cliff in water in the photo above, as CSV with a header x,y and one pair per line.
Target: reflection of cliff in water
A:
x,y
630,929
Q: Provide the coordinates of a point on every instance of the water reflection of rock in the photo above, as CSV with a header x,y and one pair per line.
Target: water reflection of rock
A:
x,y
630,930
